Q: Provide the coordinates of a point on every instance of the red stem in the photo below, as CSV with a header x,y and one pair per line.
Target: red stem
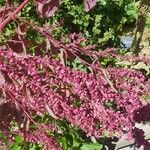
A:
x,y
12,16
3,15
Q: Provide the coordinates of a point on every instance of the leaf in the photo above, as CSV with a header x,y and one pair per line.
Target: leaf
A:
x,y
22,28
92,146
47,8
146,51
18,43
40,49
18,139
70,56
54,47
124,63
142,65
89,4
6,11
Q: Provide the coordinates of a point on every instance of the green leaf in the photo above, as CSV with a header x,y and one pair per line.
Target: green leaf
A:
x,y
98,19
124,63
18,139
142,65
92,146
16,147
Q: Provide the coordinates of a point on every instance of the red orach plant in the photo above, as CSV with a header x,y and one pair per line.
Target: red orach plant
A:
x,y
109,100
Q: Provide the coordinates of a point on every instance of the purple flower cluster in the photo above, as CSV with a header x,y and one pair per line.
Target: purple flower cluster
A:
x,y
40,85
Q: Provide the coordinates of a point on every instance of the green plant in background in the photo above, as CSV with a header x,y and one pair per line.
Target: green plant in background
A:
x,y
148,21
72,138
102,25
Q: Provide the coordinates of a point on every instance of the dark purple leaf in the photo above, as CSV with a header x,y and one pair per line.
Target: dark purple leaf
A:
x,y
6,11
40,49
54,48
55,43
47,8
22,28
89,4
70,56
17,45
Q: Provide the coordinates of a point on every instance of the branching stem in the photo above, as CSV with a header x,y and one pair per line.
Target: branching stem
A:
x,y
12,16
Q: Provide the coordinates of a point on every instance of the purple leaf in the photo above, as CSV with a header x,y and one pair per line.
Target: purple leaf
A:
x,y
54,48
22,28
89,4
6,11
46,9
16,44
39,49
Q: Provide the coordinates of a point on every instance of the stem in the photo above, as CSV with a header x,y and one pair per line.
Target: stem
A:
x,y
12,16
4,12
